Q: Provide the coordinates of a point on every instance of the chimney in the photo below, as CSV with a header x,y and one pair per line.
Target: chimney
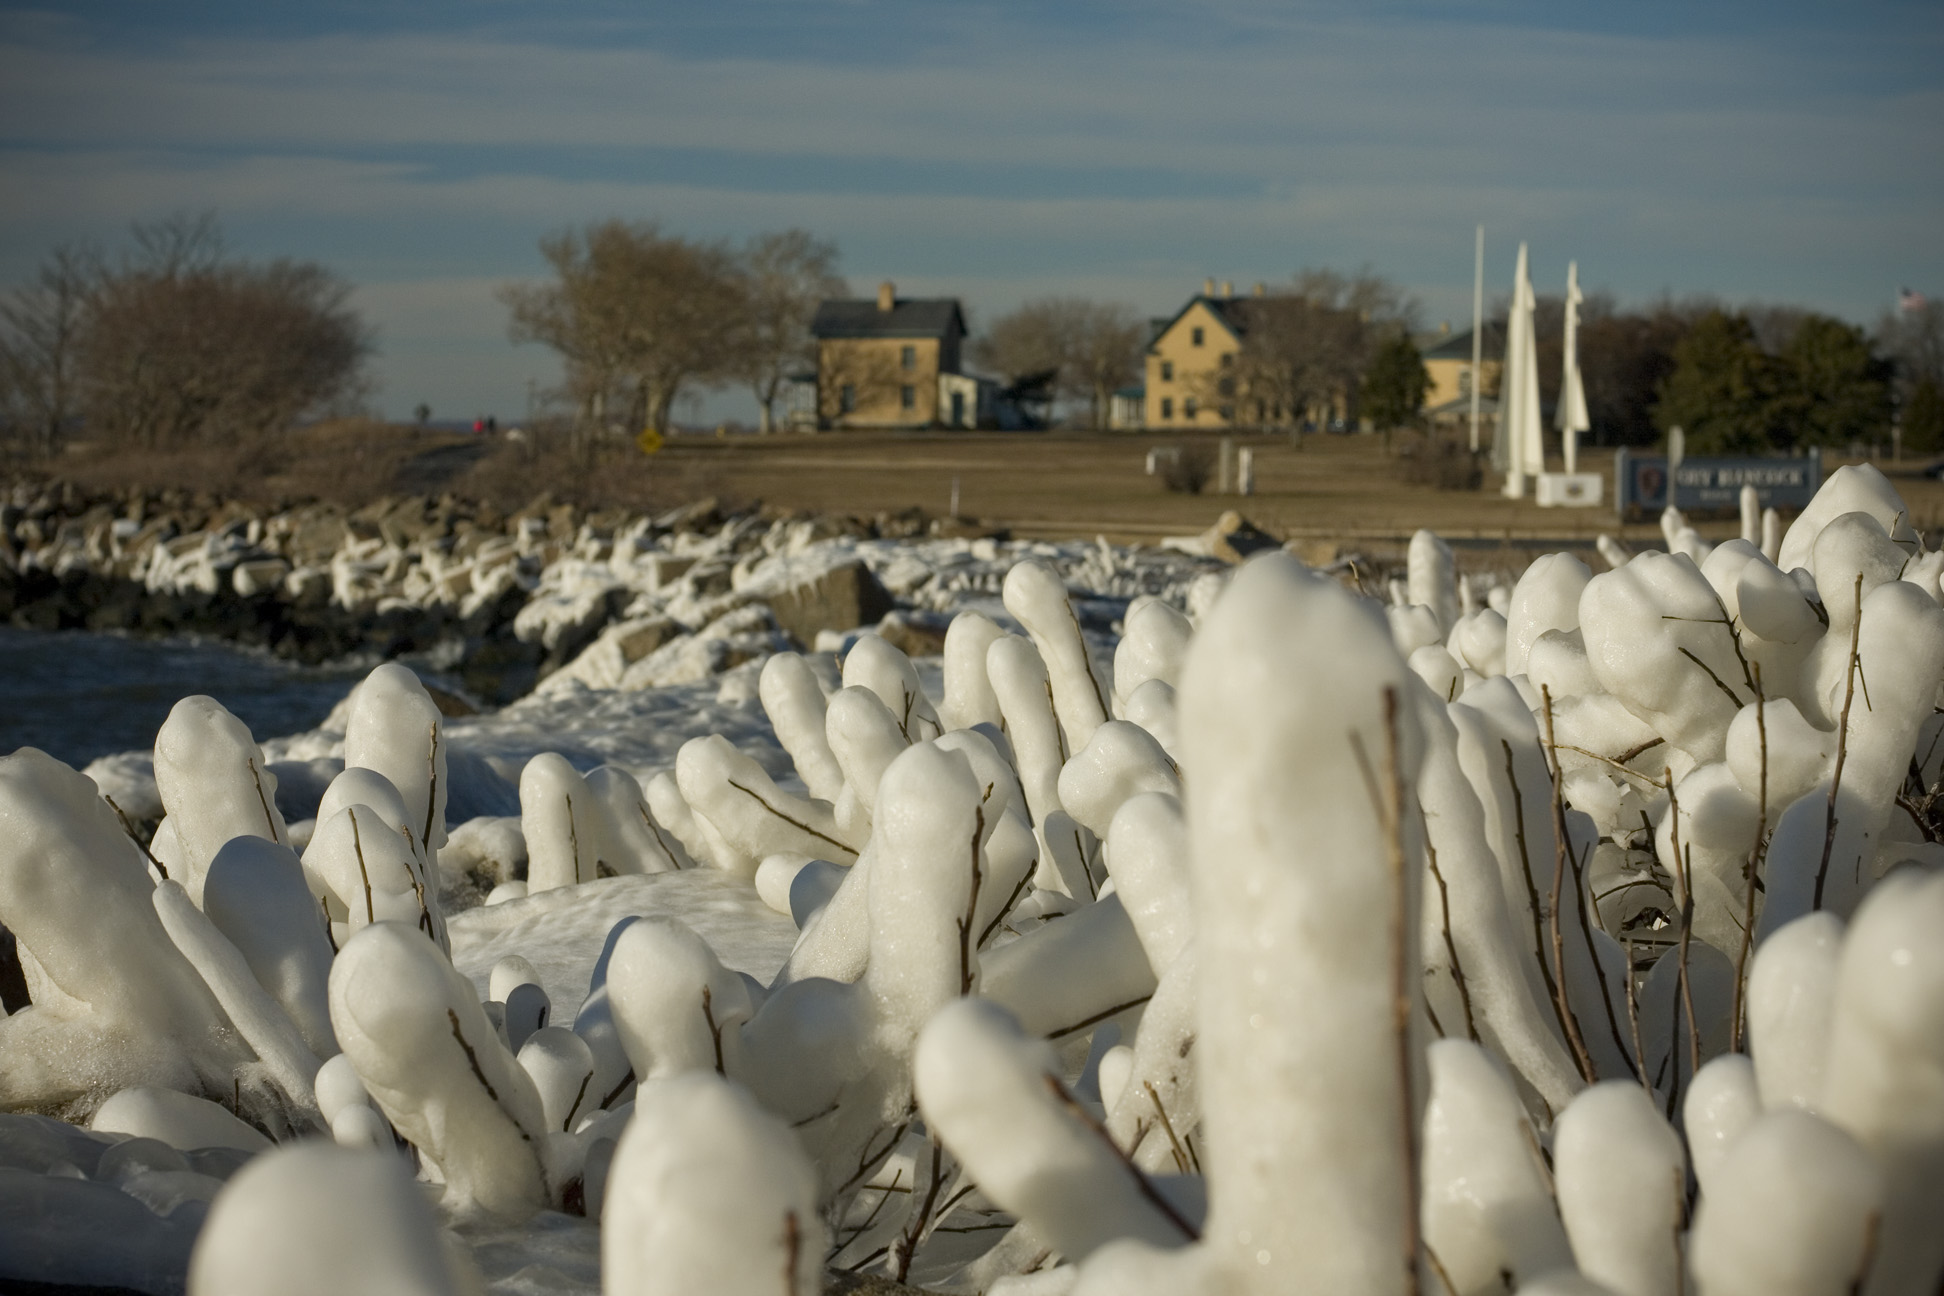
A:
x,y
887,295
1208,287
1228,289
1261,289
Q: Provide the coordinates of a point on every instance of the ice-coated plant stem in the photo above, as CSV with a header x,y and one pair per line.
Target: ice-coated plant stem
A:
x,y
1308,1157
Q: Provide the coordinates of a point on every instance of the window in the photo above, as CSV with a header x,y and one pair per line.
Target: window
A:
x,y
1464,381
847,398
1167,371
1196,336
908,358
1167,407
1226,387
1188,407
1228,413
1228,358
908,396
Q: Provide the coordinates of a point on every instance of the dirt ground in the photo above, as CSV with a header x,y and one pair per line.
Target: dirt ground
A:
x,y
1330,489
1057,485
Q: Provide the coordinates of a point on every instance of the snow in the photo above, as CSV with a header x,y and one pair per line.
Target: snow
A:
x,y
1318,914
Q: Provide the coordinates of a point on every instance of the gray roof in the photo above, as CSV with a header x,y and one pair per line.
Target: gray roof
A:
x,y
927,317
1458,345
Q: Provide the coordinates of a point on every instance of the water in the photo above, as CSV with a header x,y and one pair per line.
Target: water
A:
x,y
77,695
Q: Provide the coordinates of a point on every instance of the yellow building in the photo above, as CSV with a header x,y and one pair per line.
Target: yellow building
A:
x,y
1190,356
1448,364
879,362
1185,354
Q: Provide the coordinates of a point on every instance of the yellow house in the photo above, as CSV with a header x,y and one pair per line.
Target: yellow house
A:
x,y
1184,356
879,362
1188,363
1448,364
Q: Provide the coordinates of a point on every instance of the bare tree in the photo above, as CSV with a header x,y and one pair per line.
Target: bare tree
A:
x,y
1297,358
1913,337
40,341
1306,348
852,379
785,276
635,311
180,343
1092,347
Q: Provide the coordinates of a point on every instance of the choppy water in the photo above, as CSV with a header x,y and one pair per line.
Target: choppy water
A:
x,y
77,695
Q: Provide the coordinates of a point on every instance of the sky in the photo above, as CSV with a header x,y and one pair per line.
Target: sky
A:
x,y
992,150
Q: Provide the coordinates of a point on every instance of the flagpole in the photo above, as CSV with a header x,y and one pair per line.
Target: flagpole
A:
x,y
1478,325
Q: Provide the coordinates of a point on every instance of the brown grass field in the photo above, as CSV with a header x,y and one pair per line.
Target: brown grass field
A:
x,y
1051,485
1057,485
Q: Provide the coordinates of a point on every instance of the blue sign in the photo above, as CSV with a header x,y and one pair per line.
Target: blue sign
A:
x,y
1712,485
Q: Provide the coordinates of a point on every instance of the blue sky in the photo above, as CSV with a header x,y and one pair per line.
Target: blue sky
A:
x,y
994,151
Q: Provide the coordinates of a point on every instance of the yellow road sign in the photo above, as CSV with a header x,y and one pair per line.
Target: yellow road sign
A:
x,y
650,440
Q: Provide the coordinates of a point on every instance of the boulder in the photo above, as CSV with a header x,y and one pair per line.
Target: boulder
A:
x,y
1233,538
842,598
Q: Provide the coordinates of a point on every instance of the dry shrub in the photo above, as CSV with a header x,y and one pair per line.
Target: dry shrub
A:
x,y
1187,470
346,461
605,474
1439,459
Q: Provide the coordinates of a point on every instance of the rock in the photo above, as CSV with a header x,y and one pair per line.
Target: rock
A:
x,y
1315,553
635,639
703,515
964,528
915,634
844,597
1233,538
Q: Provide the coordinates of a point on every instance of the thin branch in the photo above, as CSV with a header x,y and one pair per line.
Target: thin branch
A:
x,y
794,823
1401,980
1553,990
357,845
1097,1018
1167,1126
269,815
1581,1057
1142,1184
432,787
1755,853
1842,747
129,828
1731,694
968,947
1451,945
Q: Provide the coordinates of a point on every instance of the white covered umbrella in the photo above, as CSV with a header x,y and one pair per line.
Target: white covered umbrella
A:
x,y
1520,433
1570,418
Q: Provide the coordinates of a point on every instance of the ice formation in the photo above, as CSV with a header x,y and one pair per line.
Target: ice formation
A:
x,y
1575,935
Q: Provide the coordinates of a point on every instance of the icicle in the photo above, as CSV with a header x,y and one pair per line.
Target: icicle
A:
x,y
996,1100
1038,598
1621,1177
709,1193
212,781
969,698
1792,1212
255,895
433,1064
1487,1208
1884,1079
1308,1068
315,1220
794,702
395,728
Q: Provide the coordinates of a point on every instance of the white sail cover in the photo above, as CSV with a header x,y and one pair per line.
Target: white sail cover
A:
x,y
1519,423
1570,417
